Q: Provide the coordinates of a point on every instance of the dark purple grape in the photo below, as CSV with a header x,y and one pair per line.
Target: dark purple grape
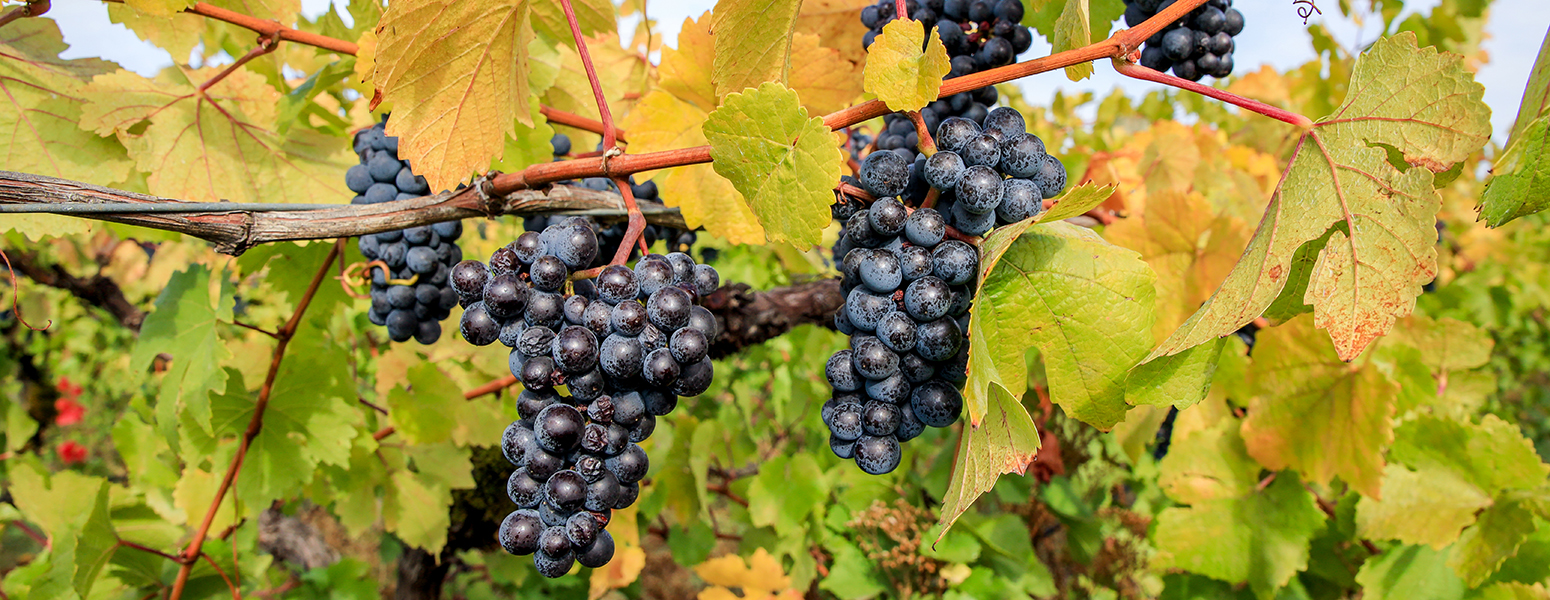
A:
x,y
979,190
842,448
617,284
688,345
938,340
944,169
668,308
880,272
956,263
1005,120
914,368
694,378
894,389
630,466
886,216
603,493
628,409
535,341
884,174
880,418
477,327
841,372
659,368
897,331
954,132
540,464
877,455
701,318
865,309
628,318
520,531
1051,177
515,442
652,275
845,423
523,489
936,403
544,309
873,360
566,491
468,279
505,297
1020,199
621,357
558,428
914,262
599,553
706,280
582,529
982,150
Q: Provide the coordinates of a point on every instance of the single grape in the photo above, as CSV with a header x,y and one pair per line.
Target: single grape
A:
x,y
938,340
1178,44
358,179
553,565
706,280
683,267
477,327
523,489
548,273
536,340
1020,154
943,170
575,349
652,275
659,368
956,262
865,308
884,174
586,386
616,284
954,132
544,308
880,418
1020,199
519,532
873,360
936,403
558,428
981,150
621,356
576,245
877,455
688,345
505,297
596,318
694,378
845,449
914,262
383,168
1005,120
970,223
582,529
515,442
629,466
845,424
894,389
565,491
603,493
628,318
914,368
979,191
668,308
841,373
659,403
598,553
538,373
910,426
1232,22
859,231
925,227
540,464
881,273
1051,177
897,331
887,216
628,409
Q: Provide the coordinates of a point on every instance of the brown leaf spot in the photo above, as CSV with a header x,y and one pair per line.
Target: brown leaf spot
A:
x,y
1275,273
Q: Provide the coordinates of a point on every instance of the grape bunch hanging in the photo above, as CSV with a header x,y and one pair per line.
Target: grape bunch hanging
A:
x,y
625,352
1197,45
412,296
909,287
978,35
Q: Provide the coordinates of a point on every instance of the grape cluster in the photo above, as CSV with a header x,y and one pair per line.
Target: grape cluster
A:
x,y
909,288
423,256
625,352
978,35
1197,45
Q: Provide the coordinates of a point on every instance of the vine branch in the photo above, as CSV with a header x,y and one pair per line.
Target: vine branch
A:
x,y
32,8
1131,69
255,425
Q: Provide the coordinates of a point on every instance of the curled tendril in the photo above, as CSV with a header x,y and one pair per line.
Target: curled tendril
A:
x,y
17,296
1306,9
359,275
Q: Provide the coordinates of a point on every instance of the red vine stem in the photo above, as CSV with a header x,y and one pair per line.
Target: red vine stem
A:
x,y
927,145
30,9
16,296
609,135
267,27
491,387
196,546
128,544
1130,69
555,115
266,43
636,226
235,595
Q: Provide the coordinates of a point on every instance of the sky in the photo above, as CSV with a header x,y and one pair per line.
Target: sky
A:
x,y
1273,35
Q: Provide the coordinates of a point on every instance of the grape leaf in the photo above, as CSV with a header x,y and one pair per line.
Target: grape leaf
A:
x,y
1190,252
1072,31
821,76
456,74
785,492
1492,455
1424,104
904,67
623,74
685,70
760,577
1429,506
159,7
1075,202
183,326
592,16
784,163
216,145
527,146
1260,537
1521,173
73,510
1086,304
836,25
706,199
1513,590
1004,441
40,105
1493,539
1316,414
1209,464
1410,573
753,43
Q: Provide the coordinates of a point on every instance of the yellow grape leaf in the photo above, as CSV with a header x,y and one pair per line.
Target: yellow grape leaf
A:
x,y
592,17
1315,413
836,24
753,43
214,145
621,73
1005,441
904,67
1072,31
760,578
366,56
1190,250
685,70
1520,175
665,122
629,558
456,74
1382,249
1075,202
783,162
1431,506
823,79
177,33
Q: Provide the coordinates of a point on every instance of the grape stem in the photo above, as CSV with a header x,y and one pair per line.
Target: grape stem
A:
x,y
1130,69
266,43
609,134
16,296
256,424
927,146
560,117
32,8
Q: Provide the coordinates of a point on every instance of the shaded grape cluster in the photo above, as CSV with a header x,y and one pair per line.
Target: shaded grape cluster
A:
x,y
625,351
1195,46
413,296
909,286
978,35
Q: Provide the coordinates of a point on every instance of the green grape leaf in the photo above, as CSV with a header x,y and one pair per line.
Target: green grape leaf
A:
x,y
1072,31
1521,173
1521,176
1181,380
1260,537
1493,539
786,492
1086,304
219,144
904,67
753,43
183,325
304,423
426,412
452,125
1428,107
1314,413
1429,506
527,146
1513,590
784,163
1206,465
73,511
1005,441
1075,202
1492,455
1410,573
